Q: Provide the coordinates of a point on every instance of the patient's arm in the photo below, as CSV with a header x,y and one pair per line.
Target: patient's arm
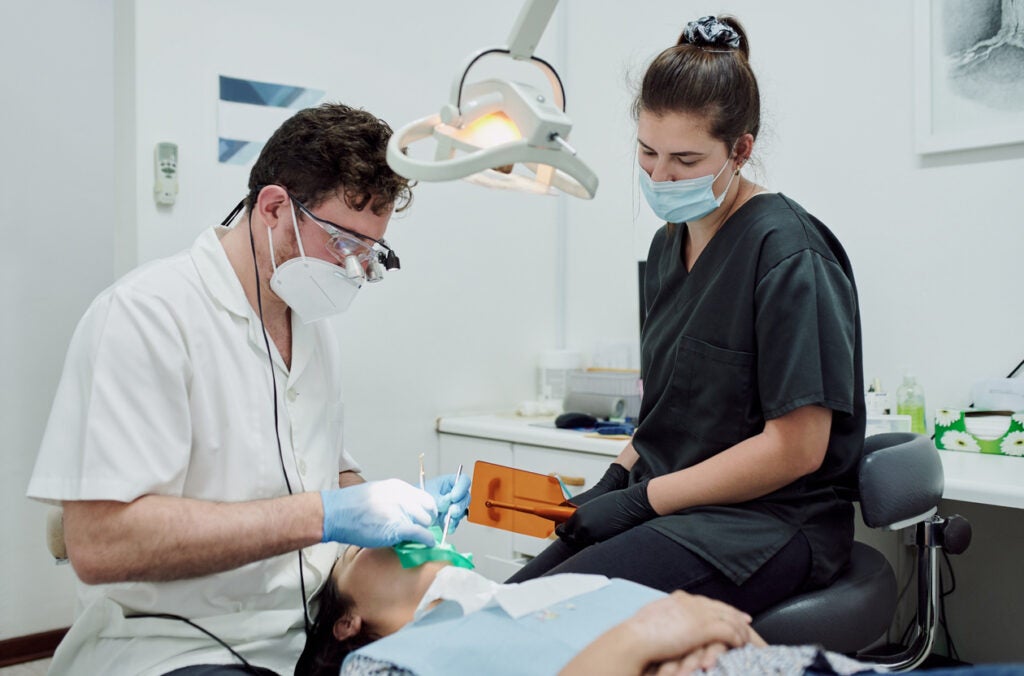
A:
x,y
667,629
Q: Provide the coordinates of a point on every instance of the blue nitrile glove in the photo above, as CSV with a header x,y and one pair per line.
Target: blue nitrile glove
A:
x,y
378,514
615,477
449,493
607,515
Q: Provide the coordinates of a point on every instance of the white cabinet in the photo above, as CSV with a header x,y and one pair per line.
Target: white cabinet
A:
x,y
528,445
567,464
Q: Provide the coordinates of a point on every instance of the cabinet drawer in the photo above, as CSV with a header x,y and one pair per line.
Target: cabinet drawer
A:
x,y
567,464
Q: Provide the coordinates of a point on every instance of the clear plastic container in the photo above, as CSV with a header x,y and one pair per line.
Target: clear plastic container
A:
x,y
910,401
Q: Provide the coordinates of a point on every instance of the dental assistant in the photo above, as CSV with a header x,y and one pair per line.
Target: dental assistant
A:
x,y
195,441
753,406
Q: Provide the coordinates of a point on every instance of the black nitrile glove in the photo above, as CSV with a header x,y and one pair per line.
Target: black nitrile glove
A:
x,y
615,477
607,515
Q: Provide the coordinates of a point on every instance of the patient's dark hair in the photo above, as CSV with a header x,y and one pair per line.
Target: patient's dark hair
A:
x,y
323,653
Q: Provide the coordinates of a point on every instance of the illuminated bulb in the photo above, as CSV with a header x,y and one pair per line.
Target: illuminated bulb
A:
x,y
491,130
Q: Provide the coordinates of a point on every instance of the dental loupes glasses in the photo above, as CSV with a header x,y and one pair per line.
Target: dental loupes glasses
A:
x,y
362,256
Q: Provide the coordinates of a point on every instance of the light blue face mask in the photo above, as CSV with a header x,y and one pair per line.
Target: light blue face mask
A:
x,y
685,200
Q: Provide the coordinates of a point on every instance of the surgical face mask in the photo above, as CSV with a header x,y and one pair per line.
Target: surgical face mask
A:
x,y
685,200
313,288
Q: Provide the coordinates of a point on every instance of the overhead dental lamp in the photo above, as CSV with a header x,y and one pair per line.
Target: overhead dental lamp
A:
x,y
498,133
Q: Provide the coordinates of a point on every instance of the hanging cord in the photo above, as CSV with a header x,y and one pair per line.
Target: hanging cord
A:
x,y
280,454
950,646
170,616
277,433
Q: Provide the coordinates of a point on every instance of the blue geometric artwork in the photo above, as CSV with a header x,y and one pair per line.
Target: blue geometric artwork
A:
x,y
249,111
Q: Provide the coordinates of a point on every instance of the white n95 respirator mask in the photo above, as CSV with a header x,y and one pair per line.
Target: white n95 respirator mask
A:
x,y
313,288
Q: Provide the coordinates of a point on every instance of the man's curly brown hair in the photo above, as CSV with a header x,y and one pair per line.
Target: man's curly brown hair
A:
x,y
330,150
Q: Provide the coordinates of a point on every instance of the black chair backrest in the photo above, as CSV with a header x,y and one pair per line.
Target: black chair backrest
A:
x,y
900,478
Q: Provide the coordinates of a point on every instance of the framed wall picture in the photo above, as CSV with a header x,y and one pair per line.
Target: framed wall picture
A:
x,y
969,74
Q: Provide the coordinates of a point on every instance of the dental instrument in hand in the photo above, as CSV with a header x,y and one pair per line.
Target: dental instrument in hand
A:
x,y
421,472
448,514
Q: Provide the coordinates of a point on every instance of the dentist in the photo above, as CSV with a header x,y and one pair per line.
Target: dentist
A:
x,y
195,441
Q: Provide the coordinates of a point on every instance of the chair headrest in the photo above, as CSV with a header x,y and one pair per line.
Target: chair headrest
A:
x,y
900,478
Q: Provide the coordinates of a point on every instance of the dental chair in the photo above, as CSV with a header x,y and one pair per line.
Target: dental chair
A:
x,y
900,483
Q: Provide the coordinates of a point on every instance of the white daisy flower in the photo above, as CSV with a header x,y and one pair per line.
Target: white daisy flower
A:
x,y
1019,417
960,441
944,417
1012,444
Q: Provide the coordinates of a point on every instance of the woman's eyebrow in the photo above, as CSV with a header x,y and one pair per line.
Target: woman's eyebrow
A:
x,y
681,153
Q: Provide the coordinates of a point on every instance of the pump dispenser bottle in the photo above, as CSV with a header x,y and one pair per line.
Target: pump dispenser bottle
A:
x,y
910,401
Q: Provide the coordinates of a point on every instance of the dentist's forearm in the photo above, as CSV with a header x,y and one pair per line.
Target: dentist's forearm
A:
x,y
161,538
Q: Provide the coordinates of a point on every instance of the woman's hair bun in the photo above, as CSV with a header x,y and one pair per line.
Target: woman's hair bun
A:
x,y
708,31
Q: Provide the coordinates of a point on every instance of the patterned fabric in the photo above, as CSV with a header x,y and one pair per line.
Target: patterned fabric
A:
x,y
783,660
748,661
708,31
360,665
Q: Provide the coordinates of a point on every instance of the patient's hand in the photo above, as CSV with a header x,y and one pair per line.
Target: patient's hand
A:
x,y
704,658
682,623
679,633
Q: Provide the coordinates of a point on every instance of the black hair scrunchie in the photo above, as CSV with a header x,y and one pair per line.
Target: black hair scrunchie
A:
x,y
708,31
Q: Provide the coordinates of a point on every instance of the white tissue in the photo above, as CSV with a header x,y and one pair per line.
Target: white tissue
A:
x,y
987,426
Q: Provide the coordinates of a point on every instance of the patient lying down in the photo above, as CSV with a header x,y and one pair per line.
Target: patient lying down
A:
x,y
455,621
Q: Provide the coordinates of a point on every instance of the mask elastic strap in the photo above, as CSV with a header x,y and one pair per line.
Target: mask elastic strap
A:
x,y
270,240
295,225
723,168
298,238
727,185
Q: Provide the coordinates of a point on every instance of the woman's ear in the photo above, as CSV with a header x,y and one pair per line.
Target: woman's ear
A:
x,y
744,148
347,626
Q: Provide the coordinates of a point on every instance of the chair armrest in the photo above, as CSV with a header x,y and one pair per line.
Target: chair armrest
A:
x,y
901,479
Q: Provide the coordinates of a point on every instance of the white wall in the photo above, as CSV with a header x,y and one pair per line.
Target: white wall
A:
x,y
461,324
56,217
935,241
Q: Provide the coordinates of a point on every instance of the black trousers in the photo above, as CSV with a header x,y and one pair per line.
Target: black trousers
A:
x,y
648,557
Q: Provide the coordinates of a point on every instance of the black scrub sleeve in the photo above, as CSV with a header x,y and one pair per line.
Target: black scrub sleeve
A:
x,y
806,326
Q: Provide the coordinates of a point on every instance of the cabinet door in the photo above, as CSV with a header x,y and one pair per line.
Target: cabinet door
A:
x,y
570,465
491,547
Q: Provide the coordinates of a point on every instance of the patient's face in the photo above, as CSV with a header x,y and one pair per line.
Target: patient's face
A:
x,y
386,595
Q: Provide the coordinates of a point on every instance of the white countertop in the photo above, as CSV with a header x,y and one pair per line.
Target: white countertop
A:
x,y
536,431
970,477
983,478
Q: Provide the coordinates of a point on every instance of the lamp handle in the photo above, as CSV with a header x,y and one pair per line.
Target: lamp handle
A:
x,y
574,176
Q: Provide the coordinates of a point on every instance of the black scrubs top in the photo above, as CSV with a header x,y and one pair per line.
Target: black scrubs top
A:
x,y
767,321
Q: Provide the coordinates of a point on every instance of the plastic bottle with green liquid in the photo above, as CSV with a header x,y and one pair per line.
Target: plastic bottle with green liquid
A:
x,y
910,401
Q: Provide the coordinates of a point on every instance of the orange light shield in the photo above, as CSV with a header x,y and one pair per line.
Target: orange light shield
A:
x,y
516,500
